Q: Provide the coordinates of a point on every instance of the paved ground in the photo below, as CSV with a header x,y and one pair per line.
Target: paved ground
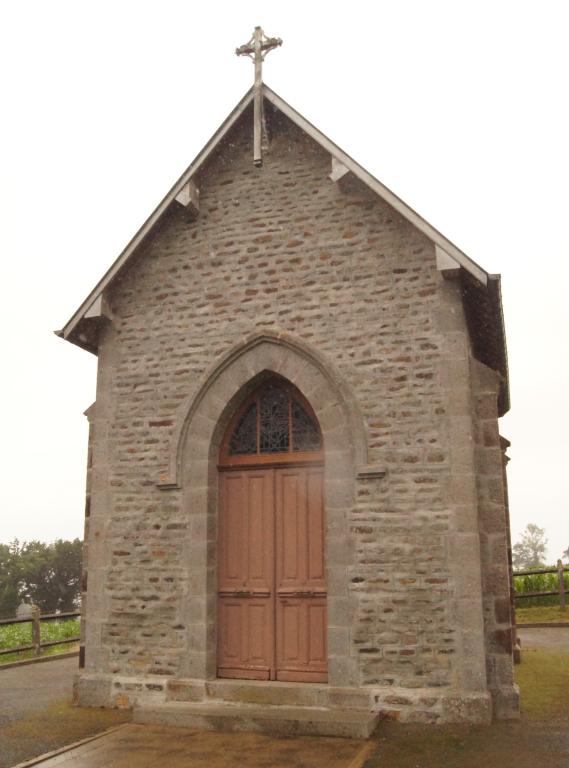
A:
x,y
36,714
26,689
554,638
162,746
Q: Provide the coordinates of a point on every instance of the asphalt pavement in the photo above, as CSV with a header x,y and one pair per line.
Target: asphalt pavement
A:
x,y
33,687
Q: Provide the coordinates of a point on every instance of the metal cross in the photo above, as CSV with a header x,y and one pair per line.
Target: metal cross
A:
x,y
257,48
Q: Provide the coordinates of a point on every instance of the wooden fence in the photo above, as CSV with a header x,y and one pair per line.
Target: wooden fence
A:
x,y
36,619
560,570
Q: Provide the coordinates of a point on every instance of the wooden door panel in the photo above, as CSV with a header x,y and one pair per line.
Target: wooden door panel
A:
x,y
315,530
301,639
232,523
291,505
246,574
272,584
260,528
317,626
300,575
300,530
246,532
246,639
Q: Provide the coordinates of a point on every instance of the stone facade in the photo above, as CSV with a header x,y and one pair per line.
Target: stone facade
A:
x,y
325,284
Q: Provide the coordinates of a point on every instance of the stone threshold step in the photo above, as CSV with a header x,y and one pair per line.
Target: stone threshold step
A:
x,y
279,720
263,692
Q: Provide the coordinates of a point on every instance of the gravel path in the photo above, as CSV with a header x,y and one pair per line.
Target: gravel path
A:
x,y
554,639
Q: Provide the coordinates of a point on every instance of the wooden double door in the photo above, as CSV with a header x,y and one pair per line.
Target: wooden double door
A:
x,y
271,574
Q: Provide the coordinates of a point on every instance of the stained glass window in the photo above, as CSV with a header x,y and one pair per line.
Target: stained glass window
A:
x,y
305,433
275,422
275,425
244,438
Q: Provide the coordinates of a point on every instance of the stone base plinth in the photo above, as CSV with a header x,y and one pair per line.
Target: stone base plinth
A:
x,y
419,705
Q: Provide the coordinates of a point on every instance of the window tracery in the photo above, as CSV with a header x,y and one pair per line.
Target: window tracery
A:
x,y
275,422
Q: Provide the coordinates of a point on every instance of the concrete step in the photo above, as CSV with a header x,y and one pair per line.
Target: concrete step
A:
x,y
278,720
268,692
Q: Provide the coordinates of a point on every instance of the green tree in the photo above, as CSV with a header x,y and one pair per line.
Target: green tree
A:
x,y
529,551
9,579
50,574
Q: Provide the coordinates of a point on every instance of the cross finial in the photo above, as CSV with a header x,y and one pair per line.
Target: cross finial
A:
x,y
257,48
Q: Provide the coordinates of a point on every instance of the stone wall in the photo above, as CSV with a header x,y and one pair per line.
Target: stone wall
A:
x,y
283,250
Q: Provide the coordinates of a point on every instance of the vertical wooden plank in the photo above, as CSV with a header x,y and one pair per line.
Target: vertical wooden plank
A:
x,y
36,630
561,579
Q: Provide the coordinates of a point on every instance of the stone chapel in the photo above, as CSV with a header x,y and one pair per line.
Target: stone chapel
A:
x,y
296,510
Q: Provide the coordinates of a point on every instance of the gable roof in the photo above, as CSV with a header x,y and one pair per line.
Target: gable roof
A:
x,y
449,253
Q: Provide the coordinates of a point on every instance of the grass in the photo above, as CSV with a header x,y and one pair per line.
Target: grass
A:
x,y
543,614
543,677
12,635
540,739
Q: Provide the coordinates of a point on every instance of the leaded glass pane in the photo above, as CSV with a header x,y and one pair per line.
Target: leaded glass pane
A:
x,y
305,433
244,437
274,420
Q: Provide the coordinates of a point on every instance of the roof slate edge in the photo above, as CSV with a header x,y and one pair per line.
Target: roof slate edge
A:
x,y
376,186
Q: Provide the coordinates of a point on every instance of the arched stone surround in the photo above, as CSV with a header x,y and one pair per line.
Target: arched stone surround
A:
x,y
193,469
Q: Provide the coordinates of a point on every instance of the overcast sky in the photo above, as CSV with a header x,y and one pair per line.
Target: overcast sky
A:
x,y
459,107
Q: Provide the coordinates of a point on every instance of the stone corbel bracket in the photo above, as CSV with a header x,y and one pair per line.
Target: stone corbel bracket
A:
x,y
338,169
446,265
189,198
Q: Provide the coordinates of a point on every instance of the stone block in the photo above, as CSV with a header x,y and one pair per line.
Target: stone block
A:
x,y
338,641
468,708
92,690
185,690
506,703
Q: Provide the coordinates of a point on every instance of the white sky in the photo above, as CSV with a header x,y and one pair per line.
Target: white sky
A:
x,y
459,107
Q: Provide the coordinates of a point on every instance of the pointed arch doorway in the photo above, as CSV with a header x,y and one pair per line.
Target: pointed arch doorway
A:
x,y
271,595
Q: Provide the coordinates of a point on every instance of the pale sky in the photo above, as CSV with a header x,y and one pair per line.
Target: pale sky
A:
x,y
461,108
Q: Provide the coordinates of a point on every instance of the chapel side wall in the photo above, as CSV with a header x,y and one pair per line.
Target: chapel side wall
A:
x,y
494,542
93,685
282,248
